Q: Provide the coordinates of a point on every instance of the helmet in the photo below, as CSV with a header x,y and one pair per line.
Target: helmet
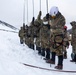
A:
x,y
65,27
53,11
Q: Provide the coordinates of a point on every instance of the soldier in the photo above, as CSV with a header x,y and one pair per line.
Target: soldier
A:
x,y
35,26
26,36
30,36
66,42
45,41
73,41
38,24
56,24
33,32
21,34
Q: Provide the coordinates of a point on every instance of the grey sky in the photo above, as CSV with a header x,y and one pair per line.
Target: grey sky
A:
x,y
11,11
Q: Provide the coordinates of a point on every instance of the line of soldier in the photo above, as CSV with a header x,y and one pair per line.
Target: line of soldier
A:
x,y
49,35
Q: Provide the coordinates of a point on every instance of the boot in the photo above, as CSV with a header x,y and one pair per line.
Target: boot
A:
x,y
43,52
21,41
45,58
32,46
60,62
60,67
52,60
65,55
74,59
47,53
39,50
29,45
37,47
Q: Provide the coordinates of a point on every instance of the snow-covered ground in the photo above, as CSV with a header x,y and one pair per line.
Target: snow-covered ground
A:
x,y
13,54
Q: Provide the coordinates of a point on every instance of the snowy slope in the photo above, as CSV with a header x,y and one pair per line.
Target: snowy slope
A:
x,y
13,54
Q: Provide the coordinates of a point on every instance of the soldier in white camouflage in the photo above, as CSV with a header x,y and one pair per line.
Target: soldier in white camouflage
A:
x,y
73,41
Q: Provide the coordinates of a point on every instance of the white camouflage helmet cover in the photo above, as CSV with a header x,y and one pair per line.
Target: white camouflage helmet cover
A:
x,y
53,11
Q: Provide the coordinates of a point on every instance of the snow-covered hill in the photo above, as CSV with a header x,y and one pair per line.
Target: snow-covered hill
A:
x,y
13,54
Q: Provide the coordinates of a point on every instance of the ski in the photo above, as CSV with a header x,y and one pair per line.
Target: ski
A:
x,y
67,71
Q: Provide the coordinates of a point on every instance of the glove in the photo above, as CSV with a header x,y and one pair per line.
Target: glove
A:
x,y
40,13
33,20
47,16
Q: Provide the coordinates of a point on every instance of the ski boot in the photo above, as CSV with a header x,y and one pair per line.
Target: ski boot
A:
x,y
50,61
60,67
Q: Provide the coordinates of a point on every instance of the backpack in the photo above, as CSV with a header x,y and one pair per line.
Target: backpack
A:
x,y
58,39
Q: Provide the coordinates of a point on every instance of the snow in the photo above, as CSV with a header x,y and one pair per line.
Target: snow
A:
x,y
13,54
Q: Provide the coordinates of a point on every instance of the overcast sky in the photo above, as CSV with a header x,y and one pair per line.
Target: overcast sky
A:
x,y
11,11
